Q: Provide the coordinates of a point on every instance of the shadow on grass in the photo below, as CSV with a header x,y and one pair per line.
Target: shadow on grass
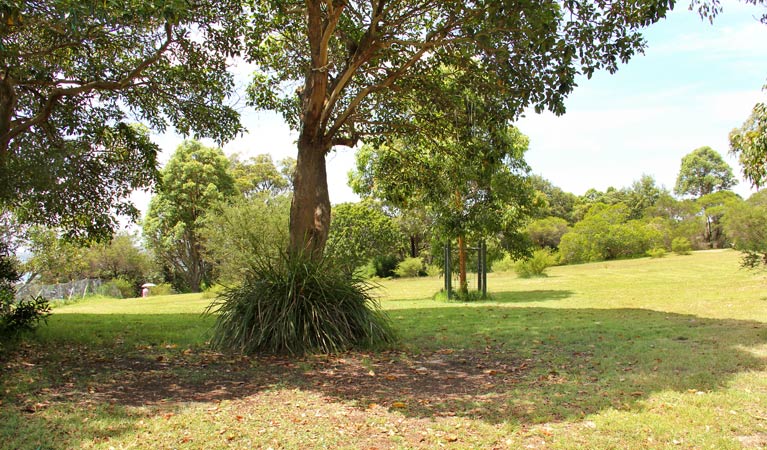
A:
x,y
499,364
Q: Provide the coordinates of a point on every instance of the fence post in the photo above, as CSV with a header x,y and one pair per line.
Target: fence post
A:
x,y
448,272
483,251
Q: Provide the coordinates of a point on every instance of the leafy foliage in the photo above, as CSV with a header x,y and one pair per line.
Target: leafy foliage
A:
x,y
535,265
703,172
746,225
504,264
360,232
607,233
547,232
77,73
120,258
409,268
656,252
340,72
54,259
681,246
258,175
552,201
298,305
713,208
236,234
23,316
17,316
749,144
195,181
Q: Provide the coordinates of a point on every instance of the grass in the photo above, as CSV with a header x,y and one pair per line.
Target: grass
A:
x,y
647,353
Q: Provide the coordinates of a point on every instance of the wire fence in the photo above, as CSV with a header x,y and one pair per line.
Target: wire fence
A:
x,y
61,291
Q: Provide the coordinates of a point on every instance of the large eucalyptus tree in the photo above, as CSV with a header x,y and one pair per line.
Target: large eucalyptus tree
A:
x,y
345,70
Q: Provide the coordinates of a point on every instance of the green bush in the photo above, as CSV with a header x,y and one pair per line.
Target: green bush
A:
x,y
681,246
17,317
385,265
657,252
409,268
167,289
25,315
366,271
607,233
536,265
505,264
117,288
433,270
296,305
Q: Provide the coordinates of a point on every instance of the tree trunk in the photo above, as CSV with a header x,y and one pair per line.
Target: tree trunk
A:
x,y
462,283
310,208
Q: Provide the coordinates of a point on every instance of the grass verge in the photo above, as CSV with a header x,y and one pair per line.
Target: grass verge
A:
x,y
649,353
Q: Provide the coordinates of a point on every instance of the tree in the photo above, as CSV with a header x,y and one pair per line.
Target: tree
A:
x,y
547,232
119,258
258,174
713,207
606,232
553,200
749,144
360,66
238,233
54,259
74,73
475,188
746,225
703,172
360,232
195,180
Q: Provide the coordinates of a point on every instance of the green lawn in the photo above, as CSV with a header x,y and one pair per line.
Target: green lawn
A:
x,y
648,353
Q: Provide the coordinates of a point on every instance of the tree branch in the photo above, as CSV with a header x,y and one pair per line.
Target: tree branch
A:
x,y
98,85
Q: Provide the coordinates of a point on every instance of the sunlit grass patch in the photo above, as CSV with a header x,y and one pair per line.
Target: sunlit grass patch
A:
x,y
648,353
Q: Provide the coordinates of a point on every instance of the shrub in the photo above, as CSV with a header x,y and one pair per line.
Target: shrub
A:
x,y
433,270
681,246
25,315
17,317
296,305
167,289
385,265
410,267
547,232
536,265
506,264
657,252
606,233
367,271
117,288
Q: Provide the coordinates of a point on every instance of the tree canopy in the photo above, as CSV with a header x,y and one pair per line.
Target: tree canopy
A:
x,y
74,74
341,71
195,181
703,172
749,144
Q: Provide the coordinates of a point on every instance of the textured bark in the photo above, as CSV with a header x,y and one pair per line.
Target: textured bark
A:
x,y
310,208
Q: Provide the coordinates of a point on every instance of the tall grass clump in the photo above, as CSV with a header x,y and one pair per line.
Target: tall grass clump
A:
x,y
297,305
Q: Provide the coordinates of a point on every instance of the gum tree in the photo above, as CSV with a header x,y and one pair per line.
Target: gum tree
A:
x,y
75,73
341,71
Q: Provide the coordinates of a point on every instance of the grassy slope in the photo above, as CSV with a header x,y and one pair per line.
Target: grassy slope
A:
x,y
627,354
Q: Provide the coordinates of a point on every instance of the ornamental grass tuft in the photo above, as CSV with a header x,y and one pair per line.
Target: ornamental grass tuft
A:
x,y
297,305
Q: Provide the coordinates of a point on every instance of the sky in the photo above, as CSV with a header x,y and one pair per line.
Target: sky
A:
x,y
695,82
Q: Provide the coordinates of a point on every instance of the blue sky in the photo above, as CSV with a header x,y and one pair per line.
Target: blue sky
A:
x,y
695,82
